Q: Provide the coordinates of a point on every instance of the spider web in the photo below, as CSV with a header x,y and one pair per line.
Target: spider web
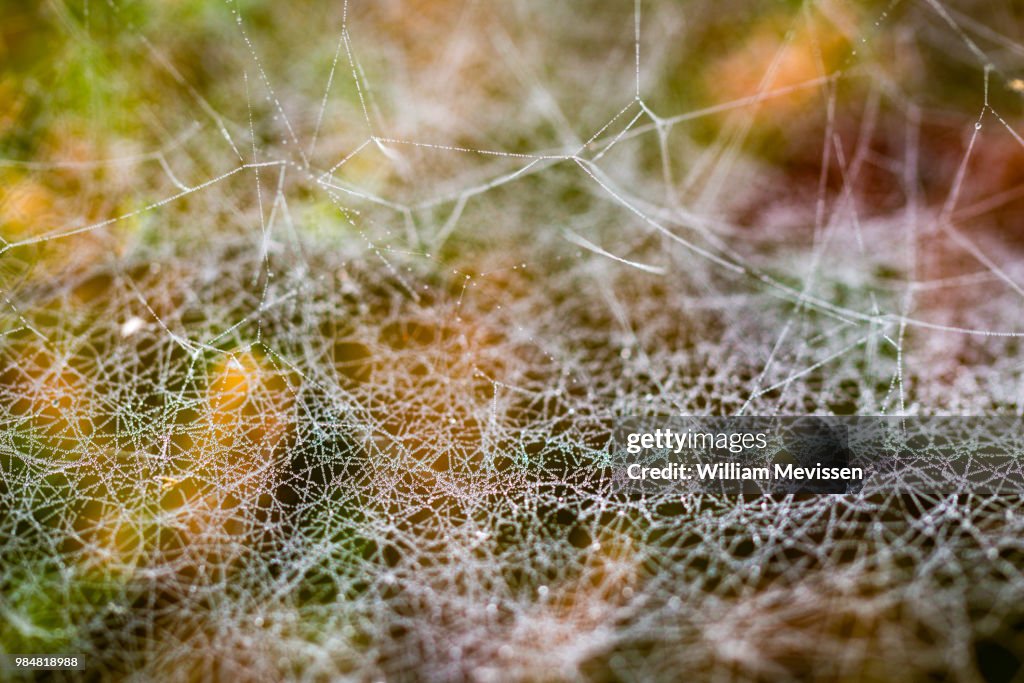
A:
x,y
311,342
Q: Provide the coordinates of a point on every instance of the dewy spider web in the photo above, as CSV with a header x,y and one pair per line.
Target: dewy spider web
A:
x,y
313,322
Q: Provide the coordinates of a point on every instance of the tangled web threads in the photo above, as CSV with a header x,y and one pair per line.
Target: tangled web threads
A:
x,y
310,375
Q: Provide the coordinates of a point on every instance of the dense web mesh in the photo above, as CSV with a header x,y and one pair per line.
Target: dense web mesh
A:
x,y
315,315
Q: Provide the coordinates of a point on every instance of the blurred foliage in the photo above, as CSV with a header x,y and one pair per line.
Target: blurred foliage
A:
x,y
222,239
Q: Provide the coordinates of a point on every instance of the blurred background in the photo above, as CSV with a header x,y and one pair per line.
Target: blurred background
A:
x,y
314,313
